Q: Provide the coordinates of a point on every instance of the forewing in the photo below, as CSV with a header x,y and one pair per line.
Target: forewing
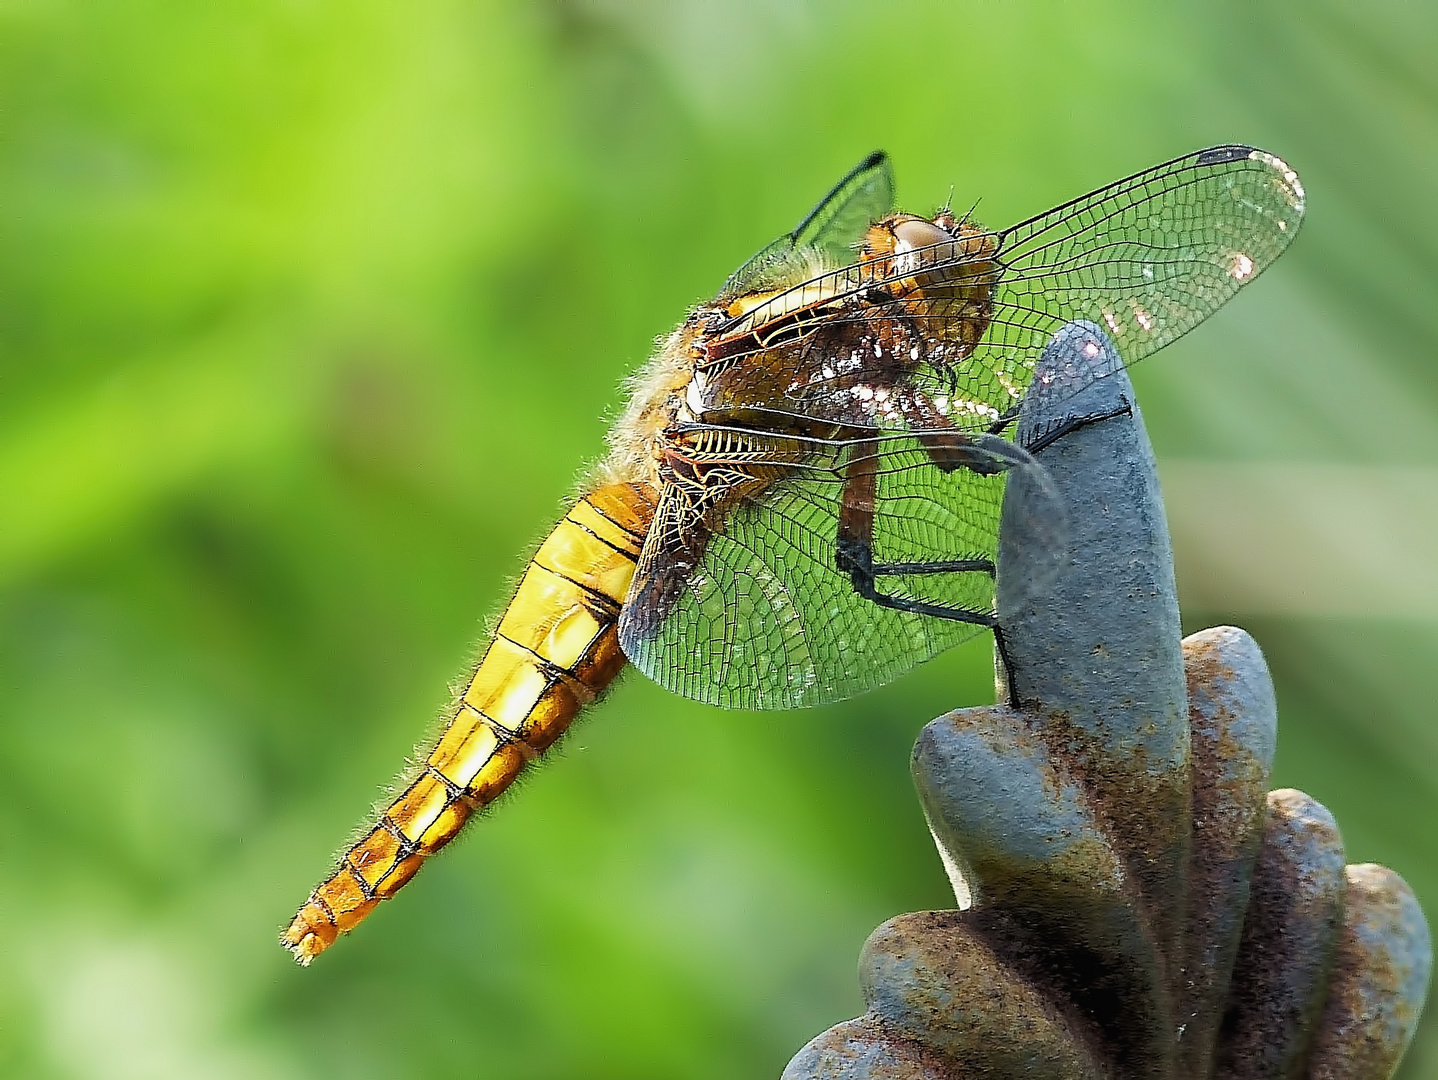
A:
x,y
831,229
1147,258
763,619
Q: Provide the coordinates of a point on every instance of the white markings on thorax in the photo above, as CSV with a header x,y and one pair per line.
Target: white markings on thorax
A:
x,y
694,395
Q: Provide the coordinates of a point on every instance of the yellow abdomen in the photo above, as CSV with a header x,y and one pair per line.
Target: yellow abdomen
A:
x,y
555,650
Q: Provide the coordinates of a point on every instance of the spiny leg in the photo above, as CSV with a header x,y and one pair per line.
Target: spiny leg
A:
x,y
949,449
854,551
1067,425
1006,665
1056,429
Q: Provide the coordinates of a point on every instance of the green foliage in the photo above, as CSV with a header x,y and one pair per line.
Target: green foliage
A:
x,y
310,313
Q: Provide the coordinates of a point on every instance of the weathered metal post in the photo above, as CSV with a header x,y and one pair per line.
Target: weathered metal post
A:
x,y
1133,901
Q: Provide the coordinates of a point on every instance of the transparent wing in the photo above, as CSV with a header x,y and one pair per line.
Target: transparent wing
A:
x,y
752,612
831,229
1147,258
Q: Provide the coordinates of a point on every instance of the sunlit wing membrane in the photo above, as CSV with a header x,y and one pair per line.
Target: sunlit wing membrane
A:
x,y
1147,259
828,232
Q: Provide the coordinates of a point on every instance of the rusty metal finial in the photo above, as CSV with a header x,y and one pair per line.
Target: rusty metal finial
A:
x,y
1133,901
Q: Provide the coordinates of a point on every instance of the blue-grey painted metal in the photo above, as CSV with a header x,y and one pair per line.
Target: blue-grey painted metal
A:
x,y
1124,878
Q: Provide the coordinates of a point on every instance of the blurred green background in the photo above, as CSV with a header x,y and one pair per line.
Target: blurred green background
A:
x,y
311,313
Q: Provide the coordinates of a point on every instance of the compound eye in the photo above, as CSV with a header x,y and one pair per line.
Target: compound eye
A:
x,y
909,235
914,244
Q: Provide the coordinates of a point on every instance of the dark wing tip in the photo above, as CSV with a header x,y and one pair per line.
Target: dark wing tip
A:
x,y
874,160
1222,155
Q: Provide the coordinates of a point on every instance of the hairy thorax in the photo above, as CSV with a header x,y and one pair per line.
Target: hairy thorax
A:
x,y
761,361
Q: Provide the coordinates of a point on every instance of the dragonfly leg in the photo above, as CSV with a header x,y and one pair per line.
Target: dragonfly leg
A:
x,y
950,451
854,553
1006,418
854,560
1006,665
948,447
1066,425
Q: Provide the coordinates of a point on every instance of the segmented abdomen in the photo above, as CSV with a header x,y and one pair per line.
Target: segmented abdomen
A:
x,y
556,648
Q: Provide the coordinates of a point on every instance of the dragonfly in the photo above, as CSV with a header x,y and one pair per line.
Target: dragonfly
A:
x,y
801,500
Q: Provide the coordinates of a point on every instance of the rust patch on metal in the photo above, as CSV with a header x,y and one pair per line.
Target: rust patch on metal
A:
x,y
1379,979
